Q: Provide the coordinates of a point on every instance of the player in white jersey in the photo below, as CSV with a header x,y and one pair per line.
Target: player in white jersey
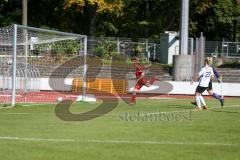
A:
x,y
210,89
204,76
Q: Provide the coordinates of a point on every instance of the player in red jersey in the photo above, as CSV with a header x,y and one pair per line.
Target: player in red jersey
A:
x,y
140,75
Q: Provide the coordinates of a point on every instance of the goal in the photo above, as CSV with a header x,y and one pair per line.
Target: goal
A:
x,y
38,65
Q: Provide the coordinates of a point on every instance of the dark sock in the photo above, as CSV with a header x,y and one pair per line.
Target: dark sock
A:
x,y
215,95
133,98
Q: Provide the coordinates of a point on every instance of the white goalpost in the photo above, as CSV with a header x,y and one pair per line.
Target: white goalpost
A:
x,y
32,59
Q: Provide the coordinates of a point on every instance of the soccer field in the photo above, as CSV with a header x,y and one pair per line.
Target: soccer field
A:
x,y
153,129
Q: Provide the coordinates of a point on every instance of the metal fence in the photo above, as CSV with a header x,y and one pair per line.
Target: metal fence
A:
x,y
149,49
230,49
217,48
106,47
222,49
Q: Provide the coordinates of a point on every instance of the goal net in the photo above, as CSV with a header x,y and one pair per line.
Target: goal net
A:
x,y
38,65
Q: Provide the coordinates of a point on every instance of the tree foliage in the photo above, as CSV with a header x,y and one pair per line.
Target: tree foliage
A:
x,y
217,19
98,14
101,6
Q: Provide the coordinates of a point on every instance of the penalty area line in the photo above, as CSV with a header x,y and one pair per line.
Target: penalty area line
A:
x,y
187,110
231,106
113,115
117,141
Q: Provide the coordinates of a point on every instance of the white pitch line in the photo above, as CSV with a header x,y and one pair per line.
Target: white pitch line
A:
x,y
25,105
117,141
141,113
231,106
6,107
36,104
187,110
14,113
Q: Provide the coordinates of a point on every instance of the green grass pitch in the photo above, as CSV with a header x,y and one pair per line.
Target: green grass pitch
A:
x,y
34,132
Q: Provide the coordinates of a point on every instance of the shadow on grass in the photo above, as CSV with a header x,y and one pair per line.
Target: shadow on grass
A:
x,y
226,112
181,106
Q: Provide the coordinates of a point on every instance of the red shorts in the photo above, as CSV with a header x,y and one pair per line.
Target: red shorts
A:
x,y
140,83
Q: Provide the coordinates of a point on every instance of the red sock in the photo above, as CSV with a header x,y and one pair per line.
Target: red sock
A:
x,y
133,98
153,80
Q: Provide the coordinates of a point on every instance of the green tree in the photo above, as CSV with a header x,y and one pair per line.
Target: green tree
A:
x,y
97,15
218,19
10,12
215,18
148,18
